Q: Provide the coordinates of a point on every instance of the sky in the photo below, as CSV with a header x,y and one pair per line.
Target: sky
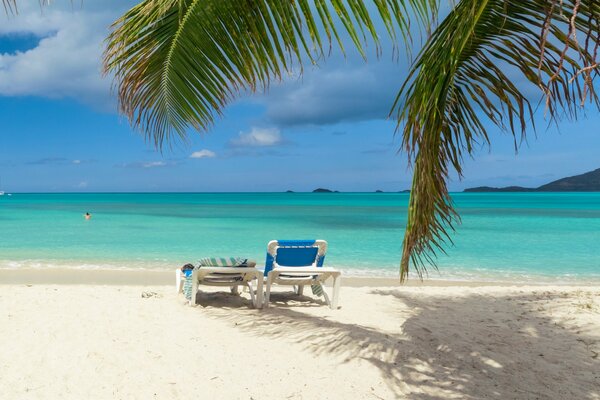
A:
x,y
60,129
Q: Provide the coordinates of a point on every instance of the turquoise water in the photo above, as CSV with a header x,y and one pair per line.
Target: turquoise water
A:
x,y
524,236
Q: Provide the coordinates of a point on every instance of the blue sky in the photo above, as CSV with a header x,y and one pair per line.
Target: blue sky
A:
x,y
60,129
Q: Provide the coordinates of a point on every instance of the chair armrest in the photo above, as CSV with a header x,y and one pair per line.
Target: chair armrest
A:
x,y
307,270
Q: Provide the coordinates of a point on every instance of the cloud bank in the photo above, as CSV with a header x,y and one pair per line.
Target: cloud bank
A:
x,y
66,63
336,93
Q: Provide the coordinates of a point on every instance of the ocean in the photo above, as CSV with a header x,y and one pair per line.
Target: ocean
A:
x,y
541,237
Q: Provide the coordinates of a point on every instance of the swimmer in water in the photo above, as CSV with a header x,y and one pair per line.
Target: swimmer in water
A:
x,y
88,216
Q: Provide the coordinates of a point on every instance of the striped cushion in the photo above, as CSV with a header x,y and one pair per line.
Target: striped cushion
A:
x,y
187,286
226,262
317,289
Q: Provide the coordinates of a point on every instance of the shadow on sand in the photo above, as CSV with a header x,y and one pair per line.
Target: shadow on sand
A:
x,y
226,300
471,347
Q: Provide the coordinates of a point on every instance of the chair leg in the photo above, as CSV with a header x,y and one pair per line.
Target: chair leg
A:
x,y
337,281
259,291
178,281
326,296
235,290
268,291
300,290
252,295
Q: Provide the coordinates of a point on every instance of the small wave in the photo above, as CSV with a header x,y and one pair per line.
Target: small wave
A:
x,y
86,265
452,274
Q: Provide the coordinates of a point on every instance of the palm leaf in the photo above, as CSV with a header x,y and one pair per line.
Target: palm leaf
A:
x,y
178,63
10,6
459,81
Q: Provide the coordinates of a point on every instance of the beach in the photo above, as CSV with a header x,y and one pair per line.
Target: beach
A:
x,y
92,334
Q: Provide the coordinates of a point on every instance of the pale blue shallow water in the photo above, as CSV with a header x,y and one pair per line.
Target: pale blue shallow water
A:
x,y
522,236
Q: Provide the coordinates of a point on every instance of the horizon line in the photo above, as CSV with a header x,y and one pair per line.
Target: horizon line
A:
x,y
290,192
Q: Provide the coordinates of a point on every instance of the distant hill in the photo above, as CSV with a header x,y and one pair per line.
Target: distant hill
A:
x,y
322,190
588,182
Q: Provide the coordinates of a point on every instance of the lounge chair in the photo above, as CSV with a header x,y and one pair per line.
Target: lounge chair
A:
x,y
227,276
299,263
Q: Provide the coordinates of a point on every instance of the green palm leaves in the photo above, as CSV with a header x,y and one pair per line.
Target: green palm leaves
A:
x,y
459,81
179,62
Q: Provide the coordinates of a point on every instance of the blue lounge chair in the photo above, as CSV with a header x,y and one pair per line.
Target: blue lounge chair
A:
x,y
299,263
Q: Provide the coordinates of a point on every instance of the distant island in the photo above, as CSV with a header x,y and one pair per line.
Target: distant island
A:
x,y
322,190
588,182
500,189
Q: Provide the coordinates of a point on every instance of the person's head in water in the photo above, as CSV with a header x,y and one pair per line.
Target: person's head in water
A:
x,y
88,215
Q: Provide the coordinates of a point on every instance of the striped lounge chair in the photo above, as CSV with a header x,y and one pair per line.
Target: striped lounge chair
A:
x,y
229,272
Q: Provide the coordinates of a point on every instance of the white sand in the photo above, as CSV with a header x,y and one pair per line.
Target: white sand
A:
x,y
107,342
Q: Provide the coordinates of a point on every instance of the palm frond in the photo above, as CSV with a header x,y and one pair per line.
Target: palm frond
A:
x,y
178,63
459,82
10,6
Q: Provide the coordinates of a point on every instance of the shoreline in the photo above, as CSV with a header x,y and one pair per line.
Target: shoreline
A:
x,y
165,277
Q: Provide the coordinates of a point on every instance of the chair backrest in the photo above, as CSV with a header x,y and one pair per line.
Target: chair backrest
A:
x,y
295,253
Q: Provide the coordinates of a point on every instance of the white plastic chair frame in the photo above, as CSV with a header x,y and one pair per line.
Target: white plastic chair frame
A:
x,y
303,275
224,276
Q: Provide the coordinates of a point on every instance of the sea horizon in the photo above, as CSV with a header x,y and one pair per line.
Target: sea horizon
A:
x,y
305,192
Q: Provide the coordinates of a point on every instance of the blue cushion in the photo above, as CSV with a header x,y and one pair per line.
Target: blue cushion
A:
x,y
296,257
290,256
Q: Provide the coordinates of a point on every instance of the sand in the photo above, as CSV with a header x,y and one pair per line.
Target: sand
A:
x,y
104,340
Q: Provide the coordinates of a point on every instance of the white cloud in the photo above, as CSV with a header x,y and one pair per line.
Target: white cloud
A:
x,y
67,60
148,164
76,161
82,184
258,137
154,164
204,153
